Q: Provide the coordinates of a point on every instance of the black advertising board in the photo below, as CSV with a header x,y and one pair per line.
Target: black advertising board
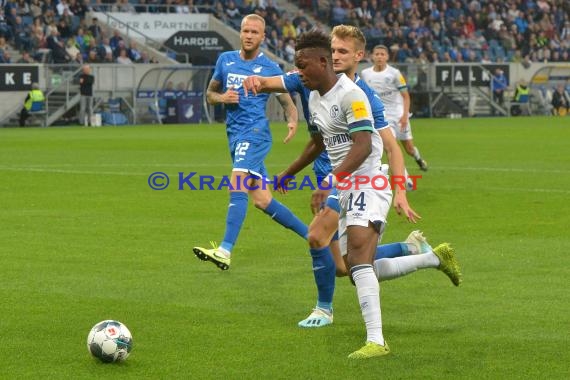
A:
x,y
458,75
203,48
18,77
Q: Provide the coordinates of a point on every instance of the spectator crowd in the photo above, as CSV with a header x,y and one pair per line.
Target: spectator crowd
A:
x,y
462,30
421,31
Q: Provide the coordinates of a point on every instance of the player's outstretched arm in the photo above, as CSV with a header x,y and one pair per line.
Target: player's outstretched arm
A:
x,y
396,162
214,94
256,84
291,115
312,150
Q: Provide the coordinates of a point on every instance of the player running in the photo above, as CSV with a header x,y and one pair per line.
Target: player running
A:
x,y
249,137
391,86
347,50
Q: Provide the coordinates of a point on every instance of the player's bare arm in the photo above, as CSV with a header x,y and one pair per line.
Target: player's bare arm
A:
x,y
291,115
396,162
320,195
406,115
311,151
214,94
359,151
256,84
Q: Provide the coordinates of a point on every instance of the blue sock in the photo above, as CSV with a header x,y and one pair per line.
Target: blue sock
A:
x,y
388,251
324,270
286,218
234,220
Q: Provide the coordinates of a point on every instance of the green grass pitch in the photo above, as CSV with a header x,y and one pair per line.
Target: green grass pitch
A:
x,y
83,238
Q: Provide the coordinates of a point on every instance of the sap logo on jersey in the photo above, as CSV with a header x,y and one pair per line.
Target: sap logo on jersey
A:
x,y
235,80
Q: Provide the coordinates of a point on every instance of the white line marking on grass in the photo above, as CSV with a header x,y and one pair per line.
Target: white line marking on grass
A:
x,y
535,190
505,170
66,171
142,165
507,189
97,172
190,165
218,177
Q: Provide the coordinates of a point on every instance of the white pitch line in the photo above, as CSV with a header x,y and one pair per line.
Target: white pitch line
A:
x,y
504,170
506,189
189,166
185,165
65,171
123,173
96,172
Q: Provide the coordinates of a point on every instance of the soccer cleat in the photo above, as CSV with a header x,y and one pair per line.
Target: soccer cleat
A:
x,y
417,239
214,255
318,318
370,350
448,262
422,164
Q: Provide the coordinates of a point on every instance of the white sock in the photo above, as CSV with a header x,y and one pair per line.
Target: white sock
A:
x,y
416,153
389,269
368,291
409,182
225,252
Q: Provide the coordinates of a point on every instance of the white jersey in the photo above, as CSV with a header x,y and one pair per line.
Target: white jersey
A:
x,y
387,83
345,109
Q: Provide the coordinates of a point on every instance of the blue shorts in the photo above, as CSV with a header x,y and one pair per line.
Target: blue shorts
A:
x,y
249,157
332,200
322,167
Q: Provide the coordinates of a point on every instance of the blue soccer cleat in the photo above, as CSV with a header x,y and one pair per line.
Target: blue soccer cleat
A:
x,y
318,318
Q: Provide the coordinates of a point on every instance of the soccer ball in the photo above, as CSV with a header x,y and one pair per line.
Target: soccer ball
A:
x,y
110,341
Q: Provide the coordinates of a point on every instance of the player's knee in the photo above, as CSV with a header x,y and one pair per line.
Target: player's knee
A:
x,y
317,239
261,199
261,203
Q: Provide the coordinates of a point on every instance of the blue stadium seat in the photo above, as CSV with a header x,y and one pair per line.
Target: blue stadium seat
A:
x,y
37,113
37,107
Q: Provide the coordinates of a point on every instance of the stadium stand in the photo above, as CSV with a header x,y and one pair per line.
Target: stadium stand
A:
x,y
417,32
414,30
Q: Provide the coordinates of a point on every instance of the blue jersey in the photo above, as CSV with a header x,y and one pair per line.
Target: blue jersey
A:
x,y
292,82
245,120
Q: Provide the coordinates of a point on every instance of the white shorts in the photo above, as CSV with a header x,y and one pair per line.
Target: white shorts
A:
x,y
364,206
397,131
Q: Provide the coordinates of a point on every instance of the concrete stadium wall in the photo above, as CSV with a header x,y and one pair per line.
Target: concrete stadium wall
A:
x,y
124,78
